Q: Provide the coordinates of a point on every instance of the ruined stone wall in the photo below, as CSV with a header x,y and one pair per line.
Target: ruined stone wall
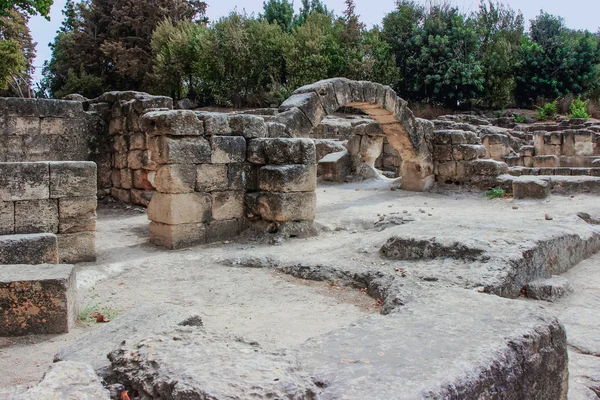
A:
x,y
51,197
47,130
215,173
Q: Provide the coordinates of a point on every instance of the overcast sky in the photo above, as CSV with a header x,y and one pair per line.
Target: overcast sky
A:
x,y
578,14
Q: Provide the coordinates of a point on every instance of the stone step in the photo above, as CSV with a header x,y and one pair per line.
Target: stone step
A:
x,y
528,186
38,248
37,299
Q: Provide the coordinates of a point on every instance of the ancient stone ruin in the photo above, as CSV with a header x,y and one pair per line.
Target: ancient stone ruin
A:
x,y
457,292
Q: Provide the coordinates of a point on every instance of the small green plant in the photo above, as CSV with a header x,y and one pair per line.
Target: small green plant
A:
x,y
495,193
578,108
547,111
498,113
96,310
519,118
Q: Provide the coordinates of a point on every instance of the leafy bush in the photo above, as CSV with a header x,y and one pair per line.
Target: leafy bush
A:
x,y
578,108
547,111
520,118
495,193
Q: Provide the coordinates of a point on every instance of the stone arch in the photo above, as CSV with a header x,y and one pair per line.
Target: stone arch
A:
x,y
410,136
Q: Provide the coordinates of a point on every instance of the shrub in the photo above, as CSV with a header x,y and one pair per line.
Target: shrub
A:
x,y
578,108
547,111
520,118
495,193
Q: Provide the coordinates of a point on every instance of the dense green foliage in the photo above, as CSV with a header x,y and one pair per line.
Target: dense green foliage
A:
x,y
16,55
28,7
578,108
547,111
434,54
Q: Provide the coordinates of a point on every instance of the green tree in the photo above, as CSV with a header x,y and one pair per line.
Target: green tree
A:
x,y
501,32
308,7
27,7
16,55
280,12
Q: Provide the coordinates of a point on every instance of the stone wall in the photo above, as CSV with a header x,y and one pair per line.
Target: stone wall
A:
x,y
214,173
51,197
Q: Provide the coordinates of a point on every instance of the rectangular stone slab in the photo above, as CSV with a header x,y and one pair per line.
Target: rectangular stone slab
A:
x,y
39,248
37,299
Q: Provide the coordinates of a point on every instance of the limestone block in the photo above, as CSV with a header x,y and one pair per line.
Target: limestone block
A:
x,y
391,99
546,162
282,207
528,162
120,143
447,169
150,102
287,178
172,122
584,148
356,91
135,159
551,150
391,161
36,216
21,125
248,126
551,289
562,171
276,130
468,152
214,123
222,230
487,168
580,171
370,148
137,141
174,178
334,167
177,236
167,150
443,152
228,149
7,217
498,151
119,160
39,299
141,197
513,161
77,214
528,151
309,103
369,91
282,151
117,126
239,176
295,121
227,205
24,181
121,195
126,178
77,247
327,93
140,180
175,209
39,248
73,179
211,177
531,187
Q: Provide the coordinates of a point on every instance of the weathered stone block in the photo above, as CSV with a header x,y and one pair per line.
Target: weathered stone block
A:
x,y
287,178
222,230
140,180
309,103
135,159
468,152
214,123
77,247
227,205
228,149
248,126
580,171
117,126
546,162
334,167
173,122
166,150
73,179
551,289
119,160
7,217
530,187
327,93
447,169
177,236
443,152
282,207
37,299
36,216
121,195
120,143
24,181
126,178
282,151
174,178
40,248
77,214
487,167
295,121
211,177
137,141
175,209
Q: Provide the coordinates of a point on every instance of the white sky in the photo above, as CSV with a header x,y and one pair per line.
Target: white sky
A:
x,y
578,14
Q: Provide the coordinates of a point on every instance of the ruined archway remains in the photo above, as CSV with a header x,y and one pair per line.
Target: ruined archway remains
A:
x,y
410,136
